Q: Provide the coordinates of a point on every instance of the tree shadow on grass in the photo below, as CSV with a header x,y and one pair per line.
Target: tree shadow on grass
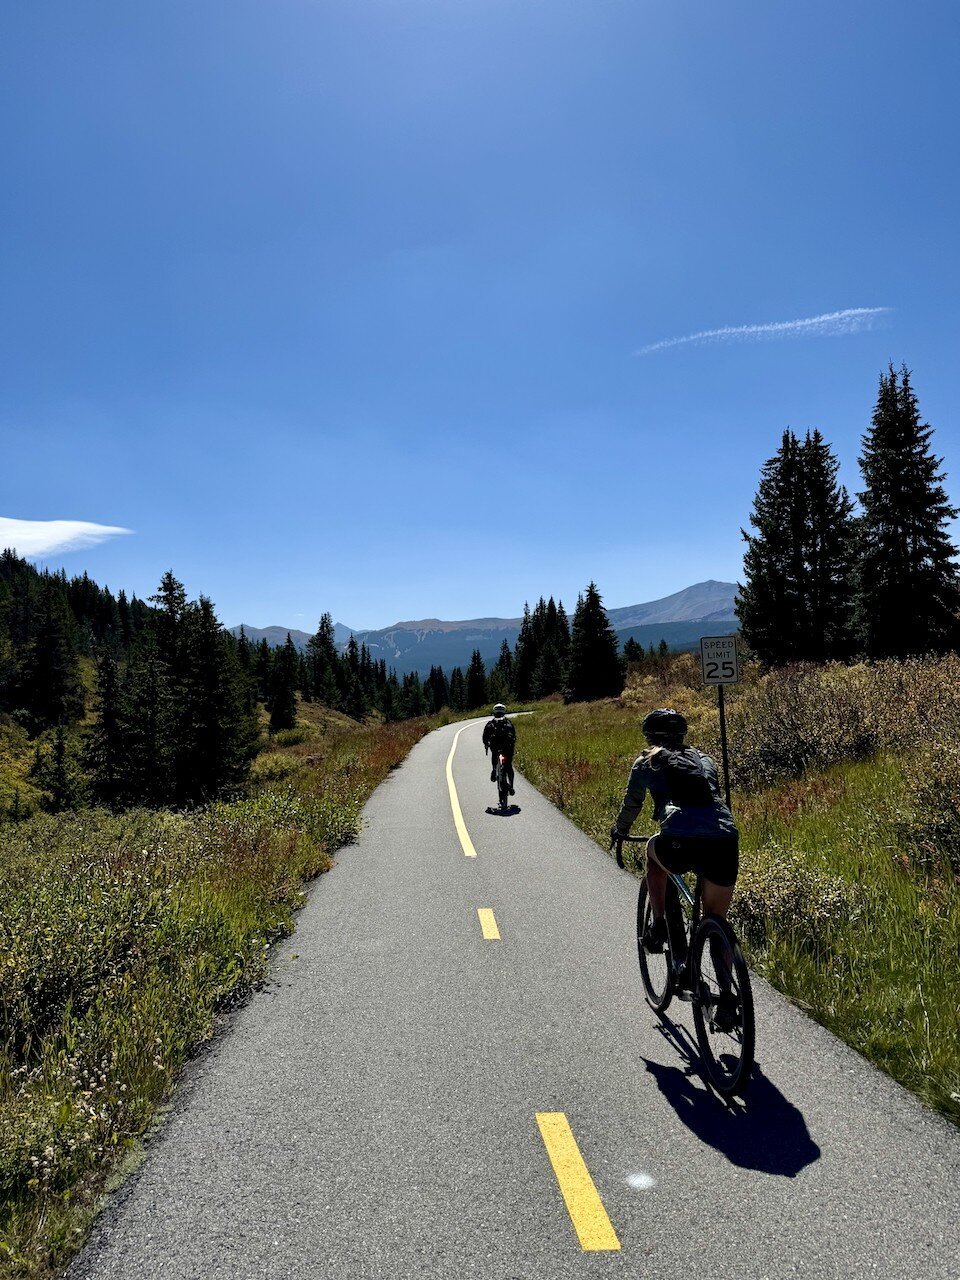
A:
x,y
766,1132
510,812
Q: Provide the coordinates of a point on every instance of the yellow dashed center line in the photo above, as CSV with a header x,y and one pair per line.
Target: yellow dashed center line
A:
x,y
458,821
582,1199
488,924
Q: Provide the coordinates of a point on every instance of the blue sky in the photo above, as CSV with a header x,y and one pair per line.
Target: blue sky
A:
x,y
338,304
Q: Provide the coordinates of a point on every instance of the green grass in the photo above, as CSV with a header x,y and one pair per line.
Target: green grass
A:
x,y
834,904
121,937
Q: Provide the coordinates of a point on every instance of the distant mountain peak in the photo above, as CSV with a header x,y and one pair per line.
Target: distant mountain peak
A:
x,y
426,642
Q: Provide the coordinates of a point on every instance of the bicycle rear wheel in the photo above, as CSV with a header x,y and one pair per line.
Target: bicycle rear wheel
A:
x,y
722,1006
503,789
656,968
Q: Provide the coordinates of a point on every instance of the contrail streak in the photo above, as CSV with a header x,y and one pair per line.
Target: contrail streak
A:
x,y
831,324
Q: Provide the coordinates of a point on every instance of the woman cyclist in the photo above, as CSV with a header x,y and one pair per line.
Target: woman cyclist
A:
x,y
697,830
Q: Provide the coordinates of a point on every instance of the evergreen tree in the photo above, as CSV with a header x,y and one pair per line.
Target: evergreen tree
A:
x,y
105,752
795,600
283,688
632,651
439,689
57,774
504,667
476,682
148,729
908,587
548,677
594,670
323,662
525,657
458,690
49,689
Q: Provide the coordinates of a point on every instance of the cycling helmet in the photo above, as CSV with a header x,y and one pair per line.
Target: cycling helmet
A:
x,y
664,725
499,710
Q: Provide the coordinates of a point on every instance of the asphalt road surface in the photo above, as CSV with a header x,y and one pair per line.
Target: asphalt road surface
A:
x,y
413,1096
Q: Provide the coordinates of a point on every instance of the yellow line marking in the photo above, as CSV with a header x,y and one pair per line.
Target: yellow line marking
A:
x,y
458,821
488,924
583,1201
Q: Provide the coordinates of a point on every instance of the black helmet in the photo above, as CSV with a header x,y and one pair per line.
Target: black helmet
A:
x,y
664,725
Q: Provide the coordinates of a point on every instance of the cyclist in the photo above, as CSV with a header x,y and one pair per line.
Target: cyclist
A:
x,y
697,830
500,738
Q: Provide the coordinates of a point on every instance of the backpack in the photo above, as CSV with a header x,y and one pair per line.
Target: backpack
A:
x,y
503,734
685,780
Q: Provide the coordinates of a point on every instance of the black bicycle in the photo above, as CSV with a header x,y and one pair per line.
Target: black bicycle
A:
x,y
503,781
701,963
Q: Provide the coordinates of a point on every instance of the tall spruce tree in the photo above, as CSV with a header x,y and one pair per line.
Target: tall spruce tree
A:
x,y
908,586
525,657
795,601
476,682
283,689
458,690
595,670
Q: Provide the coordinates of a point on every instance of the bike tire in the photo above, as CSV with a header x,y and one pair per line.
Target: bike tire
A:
x,y
503,790
727,1053
656,970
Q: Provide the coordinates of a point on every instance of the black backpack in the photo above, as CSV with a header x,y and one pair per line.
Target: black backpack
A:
x,y
685,780
503,734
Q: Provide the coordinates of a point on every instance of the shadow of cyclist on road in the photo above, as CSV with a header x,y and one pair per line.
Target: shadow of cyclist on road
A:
x,y
510,812
768,1134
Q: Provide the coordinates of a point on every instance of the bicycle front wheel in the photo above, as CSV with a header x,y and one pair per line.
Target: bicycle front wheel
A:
x,y
655,966
722,1006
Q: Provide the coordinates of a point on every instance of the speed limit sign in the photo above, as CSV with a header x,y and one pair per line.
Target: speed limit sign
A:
x,y
718,658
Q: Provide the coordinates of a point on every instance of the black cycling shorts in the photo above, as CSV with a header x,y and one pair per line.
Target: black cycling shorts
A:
x,y
715,858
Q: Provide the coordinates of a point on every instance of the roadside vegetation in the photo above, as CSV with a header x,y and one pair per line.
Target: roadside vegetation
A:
x,y
847,791
122,935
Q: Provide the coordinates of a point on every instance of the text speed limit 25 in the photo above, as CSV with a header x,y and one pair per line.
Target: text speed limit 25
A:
x,y
718,658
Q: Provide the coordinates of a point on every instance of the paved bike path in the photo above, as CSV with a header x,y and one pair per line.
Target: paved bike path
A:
x,y
373,1112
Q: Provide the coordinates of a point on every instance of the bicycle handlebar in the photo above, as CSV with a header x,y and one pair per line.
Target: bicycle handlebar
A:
x,y
618,842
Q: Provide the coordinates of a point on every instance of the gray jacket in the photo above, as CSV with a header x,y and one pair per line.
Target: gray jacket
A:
x,y
714,820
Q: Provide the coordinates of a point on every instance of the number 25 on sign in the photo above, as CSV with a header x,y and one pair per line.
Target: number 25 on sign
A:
x,y
718,658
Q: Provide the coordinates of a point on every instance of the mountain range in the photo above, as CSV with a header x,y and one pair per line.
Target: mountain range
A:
x,y
680,619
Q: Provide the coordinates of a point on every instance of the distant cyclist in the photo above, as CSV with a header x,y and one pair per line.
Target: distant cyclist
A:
x,y
500,738
697,830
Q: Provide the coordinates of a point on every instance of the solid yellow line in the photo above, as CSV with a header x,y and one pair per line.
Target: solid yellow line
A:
x,y
458,821
488,924
582,1199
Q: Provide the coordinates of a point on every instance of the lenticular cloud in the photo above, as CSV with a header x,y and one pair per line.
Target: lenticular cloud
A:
x,y
830,325
34,538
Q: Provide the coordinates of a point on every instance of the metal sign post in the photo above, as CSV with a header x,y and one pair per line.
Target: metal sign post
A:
x,y
721,666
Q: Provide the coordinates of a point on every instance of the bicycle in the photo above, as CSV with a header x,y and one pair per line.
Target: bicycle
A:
x,y
503,782
702,963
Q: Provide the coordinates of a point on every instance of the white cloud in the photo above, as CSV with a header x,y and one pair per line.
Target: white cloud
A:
x,y
831,324
34,538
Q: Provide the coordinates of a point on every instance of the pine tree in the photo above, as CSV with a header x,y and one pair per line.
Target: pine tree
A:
x,y
632,651
105,748
49,687
828,553
548,677
58,775
476,682
794,603
324,664
908,586
458,690
439,689
525,657
595,670
283,688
